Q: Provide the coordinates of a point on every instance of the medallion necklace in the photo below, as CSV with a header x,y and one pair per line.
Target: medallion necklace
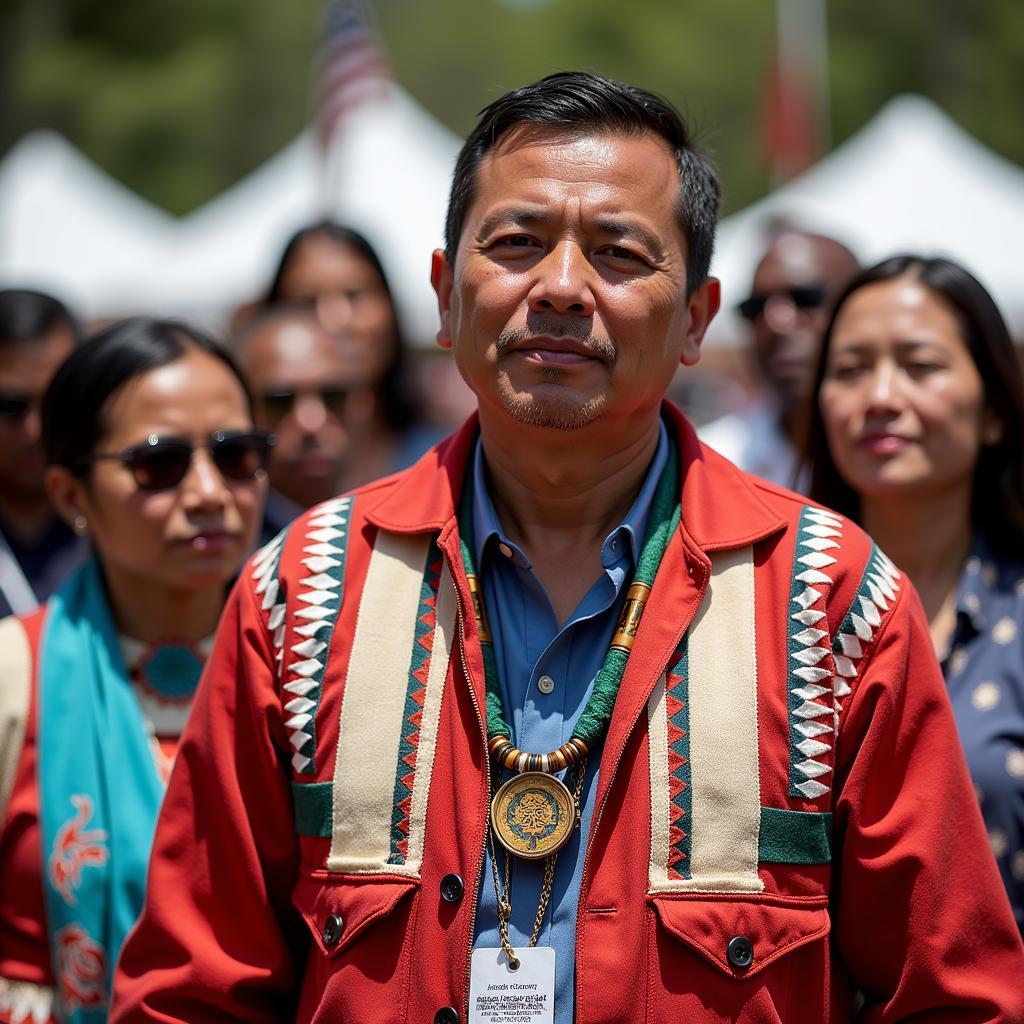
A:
x,y
534,813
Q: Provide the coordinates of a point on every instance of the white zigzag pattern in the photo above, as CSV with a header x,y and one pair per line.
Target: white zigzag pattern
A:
x,y
23,1002
882,583
320,599
264,566
813,544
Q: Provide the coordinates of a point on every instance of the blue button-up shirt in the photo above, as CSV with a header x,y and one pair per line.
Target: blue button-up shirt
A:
x,y
985,675
528,645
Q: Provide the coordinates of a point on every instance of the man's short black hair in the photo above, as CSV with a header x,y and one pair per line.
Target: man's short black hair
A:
x,y
576,104
26,315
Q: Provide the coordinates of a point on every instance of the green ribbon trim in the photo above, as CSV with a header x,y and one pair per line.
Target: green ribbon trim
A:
x,y
787,837
662,522
795,837
314,809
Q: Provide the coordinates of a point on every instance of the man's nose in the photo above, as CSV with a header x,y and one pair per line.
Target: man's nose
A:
x,y
310,413
780,313
32,424
563,282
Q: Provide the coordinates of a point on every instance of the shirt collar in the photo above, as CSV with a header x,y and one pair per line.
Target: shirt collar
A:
x,y
629,533
722,508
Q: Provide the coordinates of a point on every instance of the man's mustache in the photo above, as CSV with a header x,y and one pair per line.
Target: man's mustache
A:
x,y
601,347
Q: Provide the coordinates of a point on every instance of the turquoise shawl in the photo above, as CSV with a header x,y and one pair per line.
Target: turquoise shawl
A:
x,y
98,794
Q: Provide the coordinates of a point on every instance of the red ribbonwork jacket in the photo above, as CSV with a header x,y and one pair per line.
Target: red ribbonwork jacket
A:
x,y
781,768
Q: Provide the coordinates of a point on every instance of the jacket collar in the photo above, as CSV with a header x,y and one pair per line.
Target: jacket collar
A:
x,y
721,507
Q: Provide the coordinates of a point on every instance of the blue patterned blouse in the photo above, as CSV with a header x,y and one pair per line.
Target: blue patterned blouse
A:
x,y
985,675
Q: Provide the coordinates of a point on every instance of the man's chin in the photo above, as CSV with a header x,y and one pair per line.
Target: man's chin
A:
x,y
553,412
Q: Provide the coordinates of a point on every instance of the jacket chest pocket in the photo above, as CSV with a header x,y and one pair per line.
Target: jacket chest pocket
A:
x,y
360,952
747,959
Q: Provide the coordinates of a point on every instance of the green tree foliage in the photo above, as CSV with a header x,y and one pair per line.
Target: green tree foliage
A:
x,y
180,98
177,98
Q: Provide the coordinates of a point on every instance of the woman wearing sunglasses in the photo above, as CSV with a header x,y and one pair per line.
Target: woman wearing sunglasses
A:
x,y
918,434
152,454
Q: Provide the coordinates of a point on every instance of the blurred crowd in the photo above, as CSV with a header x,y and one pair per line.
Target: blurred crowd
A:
x,y
148,460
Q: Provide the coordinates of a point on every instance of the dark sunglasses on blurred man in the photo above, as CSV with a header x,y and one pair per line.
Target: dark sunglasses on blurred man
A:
x,y
281,401
811,296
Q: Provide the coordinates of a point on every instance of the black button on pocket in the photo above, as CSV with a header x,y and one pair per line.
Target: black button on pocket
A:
x,y
452,888
740,952
332,930
446,1015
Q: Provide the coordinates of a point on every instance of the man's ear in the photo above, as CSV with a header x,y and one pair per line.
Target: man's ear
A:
x,y
441,279
702,305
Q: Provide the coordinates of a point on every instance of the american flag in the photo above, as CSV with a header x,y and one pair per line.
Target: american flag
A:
x,y
351,67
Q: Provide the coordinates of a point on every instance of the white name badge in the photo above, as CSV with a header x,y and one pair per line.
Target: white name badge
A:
x,y
499,995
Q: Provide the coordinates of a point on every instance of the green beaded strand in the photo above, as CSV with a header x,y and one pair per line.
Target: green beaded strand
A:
x,y
662,522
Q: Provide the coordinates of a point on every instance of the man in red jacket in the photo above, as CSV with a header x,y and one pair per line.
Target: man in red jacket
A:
x,y
572,721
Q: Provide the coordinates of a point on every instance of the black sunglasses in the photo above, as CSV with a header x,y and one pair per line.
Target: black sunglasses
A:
x,y
811,296
161,463
14,405
280,402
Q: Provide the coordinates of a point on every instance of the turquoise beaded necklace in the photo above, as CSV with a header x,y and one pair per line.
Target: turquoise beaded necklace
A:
x,y
593,720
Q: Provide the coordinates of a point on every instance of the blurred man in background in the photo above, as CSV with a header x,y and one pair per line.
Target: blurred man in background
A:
x,y
36,548
794,286
309,393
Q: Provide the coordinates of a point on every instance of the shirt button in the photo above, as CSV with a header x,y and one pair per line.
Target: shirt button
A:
x,y
507,552
446,1015
546,684
451,888
332,930
740,952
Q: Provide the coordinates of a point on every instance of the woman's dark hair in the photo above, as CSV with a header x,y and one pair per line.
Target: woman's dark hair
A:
x,y
394,390
997,494
74,407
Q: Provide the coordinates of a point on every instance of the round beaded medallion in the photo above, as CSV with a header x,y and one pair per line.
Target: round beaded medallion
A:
x,y
533,815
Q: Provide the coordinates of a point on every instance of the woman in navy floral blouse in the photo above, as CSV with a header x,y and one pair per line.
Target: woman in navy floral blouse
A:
x,y
918,434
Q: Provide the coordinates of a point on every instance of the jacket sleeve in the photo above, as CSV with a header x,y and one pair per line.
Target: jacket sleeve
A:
x,y
920,915
218,938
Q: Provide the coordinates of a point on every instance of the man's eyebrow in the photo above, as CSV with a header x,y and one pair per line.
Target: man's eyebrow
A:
x,y
524,216
521,215
631,231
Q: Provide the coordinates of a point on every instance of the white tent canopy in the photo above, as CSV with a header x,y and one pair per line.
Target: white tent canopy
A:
x,y
387,176
69,228
911,180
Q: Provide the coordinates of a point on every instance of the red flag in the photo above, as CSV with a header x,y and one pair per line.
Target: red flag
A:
x,y
794,115
790,134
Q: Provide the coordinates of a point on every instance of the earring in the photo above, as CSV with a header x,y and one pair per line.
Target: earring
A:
x,y
80,525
